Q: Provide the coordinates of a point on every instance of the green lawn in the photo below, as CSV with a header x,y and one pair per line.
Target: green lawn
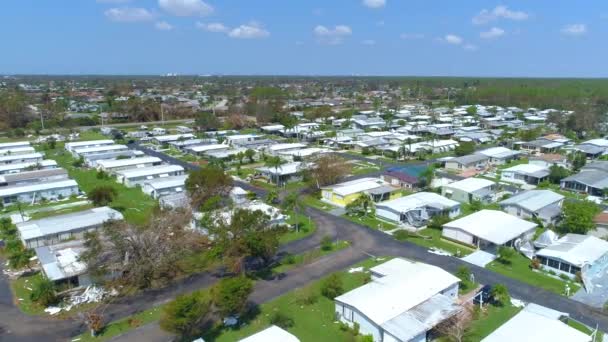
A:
x,y
431,238
312,322
520,269
305,258
306,227
21,294
489,320
316,203
122,326
584,329
131,202
43,214
13,209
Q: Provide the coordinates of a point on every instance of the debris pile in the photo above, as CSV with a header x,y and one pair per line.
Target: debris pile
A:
x,y
92,294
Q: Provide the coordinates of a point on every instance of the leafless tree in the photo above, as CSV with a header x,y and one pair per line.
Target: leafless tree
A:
x,y
329,169
456,327
143,256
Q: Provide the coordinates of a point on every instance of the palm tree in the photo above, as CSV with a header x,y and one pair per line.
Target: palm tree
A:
x,y
275,162
292,203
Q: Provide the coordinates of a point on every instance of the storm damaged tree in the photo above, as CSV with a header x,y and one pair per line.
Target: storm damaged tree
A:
x,y
329,169
207,183
246,235
140,257
456,327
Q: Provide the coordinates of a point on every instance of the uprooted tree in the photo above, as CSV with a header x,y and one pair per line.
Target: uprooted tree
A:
x,y
142,256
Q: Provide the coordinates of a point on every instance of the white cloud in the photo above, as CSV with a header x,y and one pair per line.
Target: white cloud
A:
x,y
574,29
213,27
411,36
163,26
493,33
332,36
499,12
249,31
186,8
369,42
374,3
380,23
129,14
470,47
453,39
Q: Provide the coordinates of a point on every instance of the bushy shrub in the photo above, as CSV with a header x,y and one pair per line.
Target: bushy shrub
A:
x,y
332,287
281,320
43,292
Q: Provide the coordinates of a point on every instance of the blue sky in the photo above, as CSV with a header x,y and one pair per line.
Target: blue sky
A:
x,y
541,38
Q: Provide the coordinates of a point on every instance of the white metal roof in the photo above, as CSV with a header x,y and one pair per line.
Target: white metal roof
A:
x,y
77,144
103,148
42,186
576,249
492,225
173,137
148,171
533,200
498,152
529,325
417,200
526,168
10,145
211,147
20,166
35,155
285,169
405,284
597,142
112,163
470,184
17,150
358,185
305,152
271,334
65,223
166,182
280,147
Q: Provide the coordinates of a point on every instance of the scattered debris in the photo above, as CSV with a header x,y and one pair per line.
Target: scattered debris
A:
x,y
439,252
517,303
91,294
52,310
355,270
76,339
231,321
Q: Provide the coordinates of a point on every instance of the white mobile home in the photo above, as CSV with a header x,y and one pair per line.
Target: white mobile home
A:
x,y
12,145
30,166
204,149
403,302
83,144
17,151
137,176
417,209
124,164
159,187
271,334
21,158
489,229
537,323
92,159
165,139
574,253
544,205
35,192
36,176
85,151
61,264
55,229
470,189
